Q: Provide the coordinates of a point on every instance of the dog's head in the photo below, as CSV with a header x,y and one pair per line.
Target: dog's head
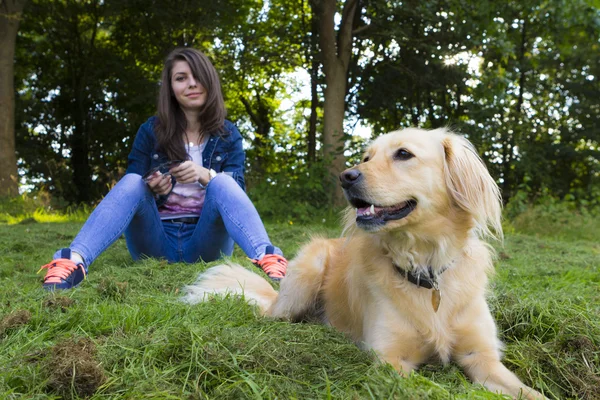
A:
x,y
414,178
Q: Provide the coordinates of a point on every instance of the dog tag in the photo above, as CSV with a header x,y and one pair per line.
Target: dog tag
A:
x,y
436,298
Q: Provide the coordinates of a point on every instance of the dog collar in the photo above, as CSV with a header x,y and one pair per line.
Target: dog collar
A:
x,y
424,281
427,281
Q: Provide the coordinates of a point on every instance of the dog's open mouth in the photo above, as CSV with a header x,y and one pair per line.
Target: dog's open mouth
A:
x,y
370,213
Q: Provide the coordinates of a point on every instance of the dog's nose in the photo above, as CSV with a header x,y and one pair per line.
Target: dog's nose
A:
x,y
349,177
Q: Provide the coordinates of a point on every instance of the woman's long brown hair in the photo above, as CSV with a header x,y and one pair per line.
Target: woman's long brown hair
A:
x,y
171,122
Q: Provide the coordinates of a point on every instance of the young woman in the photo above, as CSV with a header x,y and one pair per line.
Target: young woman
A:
x,y
183,196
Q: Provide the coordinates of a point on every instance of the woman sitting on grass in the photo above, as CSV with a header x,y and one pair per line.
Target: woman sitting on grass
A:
x,y
183,196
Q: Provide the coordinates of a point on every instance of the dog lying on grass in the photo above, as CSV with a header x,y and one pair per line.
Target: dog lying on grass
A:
x,y
409,277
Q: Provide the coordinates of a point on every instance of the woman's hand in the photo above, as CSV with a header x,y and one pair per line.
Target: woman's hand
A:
x,y
190,172
160,183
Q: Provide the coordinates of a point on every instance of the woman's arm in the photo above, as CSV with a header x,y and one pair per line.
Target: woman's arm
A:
x,y
140,157
234,165
140,160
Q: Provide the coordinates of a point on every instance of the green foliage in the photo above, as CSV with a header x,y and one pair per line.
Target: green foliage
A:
x,y
406,81
295,194
520,79
40,207
549,217
538,212
79,100
87,77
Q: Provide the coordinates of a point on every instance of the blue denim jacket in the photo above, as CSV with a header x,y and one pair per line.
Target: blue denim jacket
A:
x,y
223,154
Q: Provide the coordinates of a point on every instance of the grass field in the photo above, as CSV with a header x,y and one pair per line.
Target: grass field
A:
x,y
125,334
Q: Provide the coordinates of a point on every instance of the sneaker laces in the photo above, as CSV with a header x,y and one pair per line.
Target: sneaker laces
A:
x,y
60,269
274,265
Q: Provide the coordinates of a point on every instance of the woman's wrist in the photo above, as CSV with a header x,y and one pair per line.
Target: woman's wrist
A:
x,y
203,176
206,176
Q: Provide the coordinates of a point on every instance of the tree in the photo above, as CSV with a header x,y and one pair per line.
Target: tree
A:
x,y
313,64
89,73
519,78
10,16
88,79
69,128
536,106
336,51
254,78
408,79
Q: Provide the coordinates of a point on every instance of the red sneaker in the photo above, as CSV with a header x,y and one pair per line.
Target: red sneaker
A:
x,y
274,265
63,273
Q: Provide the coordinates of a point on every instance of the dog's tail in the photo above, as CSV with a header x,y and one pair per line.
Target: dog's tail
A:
x,y
234,280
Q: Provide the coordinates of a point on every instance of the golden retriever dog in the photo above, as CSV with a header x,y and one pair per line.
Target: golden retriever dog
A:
x,y
408,278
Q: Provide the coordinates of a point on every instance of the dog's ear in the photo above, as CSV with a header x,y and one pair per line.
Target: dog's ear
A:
x,y
471,186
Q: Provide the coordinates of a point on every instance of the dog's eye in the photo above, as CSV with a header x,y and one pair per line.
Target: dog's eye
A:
x,y
403,155
366,159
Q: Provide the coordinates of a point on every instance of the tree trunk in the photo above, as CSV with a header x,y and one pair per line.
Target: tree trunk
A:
x,y
336,50
314,95
262,121
10,16
80,163
509,179
333,129
82,110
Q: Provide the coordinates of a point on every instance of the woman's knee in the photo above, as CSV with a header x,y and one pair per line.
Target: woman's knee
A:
x,y
222,182
132,185
132,178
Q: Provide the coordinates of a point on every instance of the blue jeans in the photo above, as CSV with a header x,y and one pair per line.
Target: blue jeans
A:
x,y
228,216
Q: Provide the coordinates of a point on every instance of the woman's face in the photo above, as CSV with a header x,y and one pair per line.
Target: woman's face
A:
x,y
190,94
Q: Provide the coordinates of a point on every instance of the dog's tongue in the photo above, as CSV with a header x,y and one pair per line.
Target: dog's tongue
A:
x,y
367,211
372,210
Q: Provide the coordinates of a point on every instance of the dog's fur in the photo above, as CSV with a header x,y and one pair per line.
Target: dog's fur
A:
x,y
353,283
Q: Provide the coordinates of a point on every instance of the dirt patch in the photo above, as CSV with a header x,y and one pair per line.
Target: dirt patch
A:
x,y
110,289
585,383
582,376
61,302
581,344
14,320
73,368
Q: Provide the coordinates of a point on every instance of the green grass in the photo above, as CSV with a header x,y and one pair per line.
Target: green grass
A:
x,y
126,334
